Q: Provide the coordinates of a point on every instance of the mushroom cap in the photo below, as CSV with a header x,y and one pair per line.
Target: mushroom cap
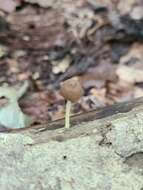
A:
x,y
71,89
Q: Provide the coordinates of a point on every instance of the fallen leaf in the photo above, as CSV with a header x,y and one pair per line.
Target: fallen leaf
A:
x,y
3,51
129,74
134,56
61,66
138,92
137,13
125,7
8,5
11,115
100,96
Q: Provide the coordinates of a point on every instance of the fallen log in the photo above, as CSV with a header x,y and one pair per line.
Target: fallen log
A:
x,y
102,150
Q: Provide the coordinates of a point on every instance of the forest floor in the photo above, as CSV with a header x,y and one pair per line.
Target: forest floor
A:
x,y
101,44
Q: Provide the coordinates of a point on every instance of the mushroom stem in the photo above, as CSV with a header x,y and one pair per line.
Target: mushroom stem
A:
x,y
67,114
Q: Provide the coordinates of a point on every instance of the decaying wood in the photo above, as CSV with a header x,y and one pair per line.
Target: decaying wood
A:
x,y
101,148
103,116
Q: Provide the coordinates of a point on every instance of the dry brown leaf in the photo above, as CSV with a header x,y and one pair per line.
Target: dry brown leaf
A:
x,y
130,68
137,13
134,56
58,114
100,95
138,92
129,74
61,66
125,7
8,5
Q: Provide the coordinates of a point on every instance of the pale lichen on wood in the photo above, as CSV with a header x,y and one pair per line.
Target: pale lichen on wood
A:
x,y
91,155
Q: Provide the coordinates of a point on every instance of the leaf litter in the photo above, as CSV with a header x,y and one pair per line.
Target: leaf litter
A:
x,y
46,43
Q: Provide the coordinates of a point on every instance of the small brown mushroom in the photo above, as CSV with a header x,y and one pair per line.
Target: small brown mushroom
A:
x,y
71,90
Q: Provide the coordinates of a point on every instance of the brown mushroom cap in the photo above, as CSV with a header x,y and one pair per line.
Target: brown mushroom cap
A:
x,y
71,89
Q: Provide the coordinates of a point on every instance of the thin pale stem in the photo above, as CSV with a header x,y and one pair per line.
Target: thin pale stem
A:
x,y
67,114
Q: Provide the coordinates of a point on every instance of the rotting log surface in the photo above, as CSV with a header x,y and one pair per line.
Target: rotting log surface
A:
x,y
102,150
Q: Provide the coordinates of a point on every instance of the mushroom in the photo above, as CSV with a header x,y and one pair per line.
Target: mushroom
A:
x,y
71,90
